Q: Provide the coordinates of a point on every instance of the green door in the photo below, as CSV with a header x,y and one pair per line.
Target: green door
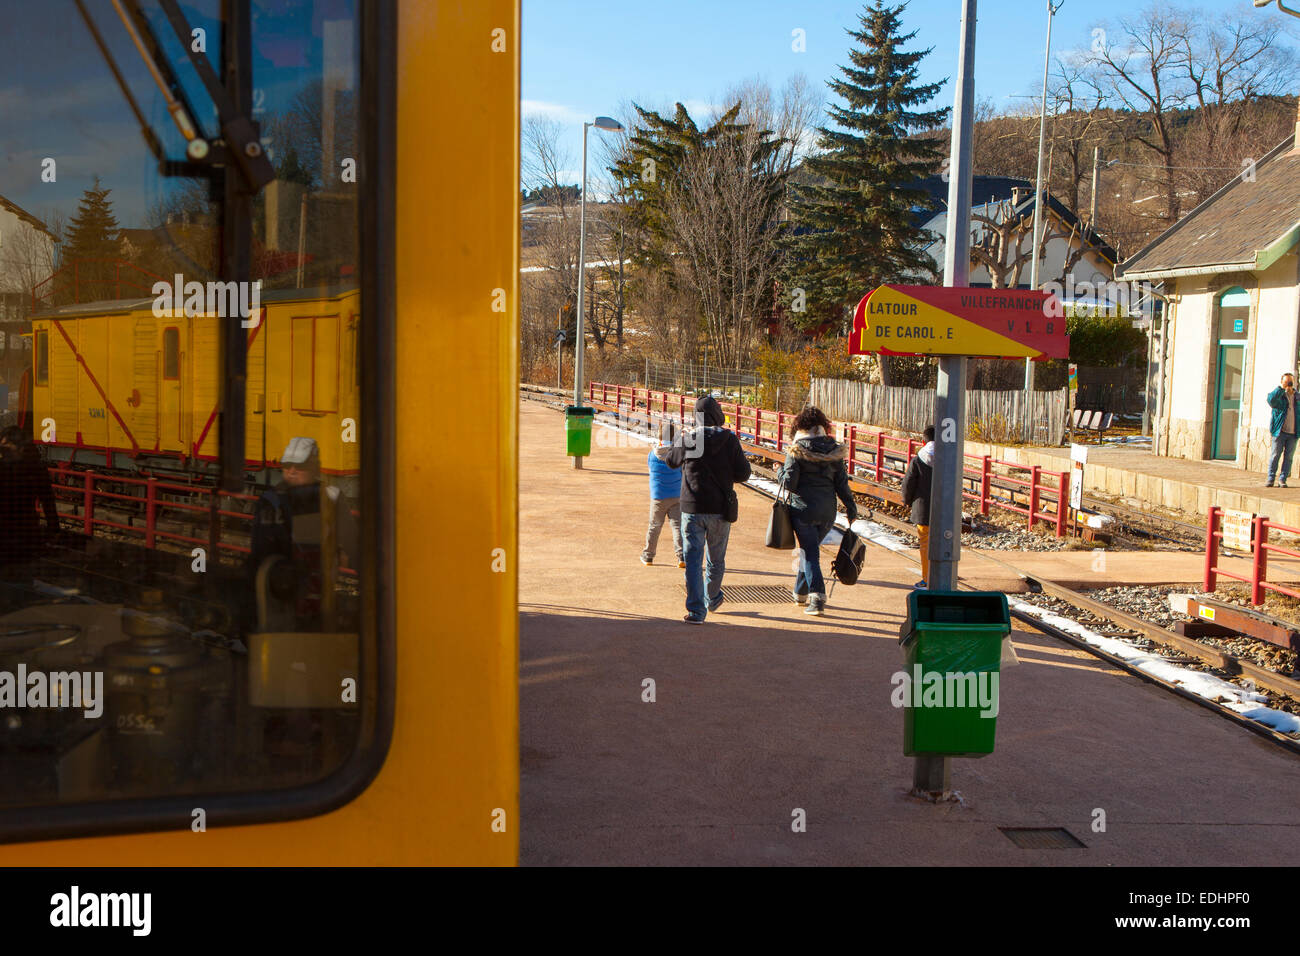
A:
x,y
1227,408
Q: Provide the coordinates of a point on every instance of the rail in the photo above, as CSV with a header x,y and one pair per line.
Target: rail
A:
x,y
88,489
873,454
1260,528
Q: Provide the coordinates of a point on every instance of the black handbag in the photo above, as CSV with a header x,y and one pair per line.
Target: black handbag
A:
x,y
780,528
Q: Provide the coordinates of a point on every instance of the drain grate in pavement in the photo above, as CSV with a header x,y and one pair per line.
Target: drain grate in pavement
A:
x,y
753,593
1043,838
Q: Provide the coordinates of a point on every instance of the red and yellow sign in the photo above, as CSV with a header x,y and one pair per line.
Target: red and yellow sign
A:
x,y
939,320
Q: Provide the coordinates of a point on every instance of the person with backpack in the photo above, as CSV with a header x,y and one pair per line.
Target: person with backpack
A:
x,y
815,475
916,495
712,462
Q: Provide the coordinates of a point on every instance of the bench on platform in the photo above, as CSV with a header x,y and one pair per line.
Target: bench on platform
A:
x,y
1095,421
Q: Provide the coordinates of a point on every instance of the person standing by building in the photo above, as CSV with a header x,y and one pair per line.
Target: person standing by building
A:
x,y
916,495
1283,429
712,462
665,500
815,474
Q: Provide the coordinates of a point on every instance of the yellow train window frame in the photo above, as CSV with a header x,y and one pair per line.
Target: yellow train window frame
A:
x,y
377,653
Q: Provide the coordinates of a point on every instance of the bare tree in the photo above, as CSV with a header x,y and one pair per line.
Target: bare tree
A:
x,y
549,240
1142,72
721,206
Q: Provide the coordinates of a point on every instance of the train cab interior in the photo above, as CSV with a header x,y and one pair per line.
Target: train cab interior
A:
x,y
191,619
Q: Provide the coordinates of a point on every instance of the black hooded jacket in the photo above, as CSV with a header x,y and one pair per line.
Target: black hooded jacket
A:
x,y
816,474
711,460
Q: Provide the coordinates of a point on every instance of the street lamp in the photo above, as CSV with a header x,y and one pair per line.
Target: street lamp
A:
x,y
613,126
1038,207
1280,5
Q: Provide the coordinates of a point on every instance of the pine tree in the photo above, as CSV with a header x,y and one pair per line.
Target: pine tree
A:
x,y
856,213
92,237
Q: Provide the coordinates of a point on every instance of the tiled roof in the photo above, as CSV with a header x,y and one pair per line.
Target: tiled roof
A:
x,y
1229,228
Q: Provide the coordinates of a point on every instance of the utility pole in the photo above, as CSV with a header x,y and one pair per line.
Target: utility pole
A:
x,y
1092,208
932,773
1038,209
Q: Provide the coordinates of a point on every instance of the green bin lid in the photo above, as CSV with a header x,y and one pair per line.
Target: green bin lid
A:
x,y
579,410
941,609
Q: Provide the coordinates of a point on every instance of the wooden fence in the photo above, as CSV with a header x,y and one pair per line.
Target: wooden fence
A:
x,y
990,416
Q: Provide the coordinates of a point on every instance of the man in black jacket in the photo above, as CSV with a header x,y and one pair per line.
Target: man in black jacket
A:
x,y
916,495
711,461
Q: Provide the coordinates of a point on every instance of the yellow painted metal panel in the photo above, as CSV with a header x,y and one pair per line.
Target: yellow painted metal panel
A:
x,y
454,755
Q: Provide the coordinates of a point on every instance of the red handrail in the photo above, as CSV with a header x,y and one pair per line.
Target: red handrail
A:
x,y
883,449
1261,526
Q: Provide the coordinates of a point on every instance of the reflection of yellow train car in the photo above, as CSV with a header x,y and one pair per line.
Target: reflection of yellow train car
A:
x,y
114,384
392,738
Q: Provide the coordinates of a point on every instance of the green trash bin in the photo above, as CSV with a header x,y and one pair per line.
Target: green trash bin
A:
x,y
952,646
577,429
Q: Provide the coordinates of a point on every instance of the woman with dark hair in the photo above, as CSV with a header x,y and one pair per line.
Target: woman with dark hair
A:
x,y
815,474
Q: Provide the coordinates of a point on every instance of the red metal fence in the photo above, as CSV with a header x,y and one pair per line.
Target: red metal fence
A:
x,y
1260,548
90,279
873,455
159,501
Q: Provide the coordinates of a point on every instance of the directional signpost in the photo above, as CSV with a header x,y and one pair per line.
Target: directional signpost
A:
x,y
937,320
953,322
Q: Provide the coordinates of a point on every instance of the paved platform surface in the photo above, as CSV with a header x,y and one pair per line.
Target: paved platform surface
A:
x,y
763,711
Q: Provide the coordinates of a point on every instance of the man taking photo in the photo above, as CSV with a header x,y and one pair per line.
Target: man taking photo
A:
x,y
1283,428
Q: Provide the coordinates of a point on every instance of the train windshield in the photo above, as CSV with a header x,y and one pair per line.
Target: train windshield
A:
x,y
181,522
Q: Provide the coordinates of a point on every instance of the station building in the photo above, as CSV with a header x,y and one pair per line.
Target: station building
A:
x,y
1231,274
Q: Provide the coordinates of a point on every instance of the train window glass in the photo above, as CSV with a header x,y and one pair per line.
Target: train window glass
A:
x,y
171,352
42,358
208,643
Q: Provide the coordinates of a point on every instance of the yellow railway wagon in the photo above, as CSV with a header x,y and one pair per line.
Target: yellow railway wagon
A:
x,y
115,384
252,751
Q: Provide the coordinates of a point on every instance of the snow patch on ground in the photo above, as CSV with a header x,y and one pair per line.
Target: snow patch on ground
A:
x,y
1234,698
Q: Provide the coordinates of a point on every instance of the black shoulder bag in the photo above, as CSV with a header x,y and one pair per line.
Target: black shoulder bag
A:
x,y
730,503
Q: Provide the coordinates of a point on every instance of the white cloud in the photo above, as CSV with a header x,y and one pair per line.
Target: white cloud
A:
x,y
554,111
699,109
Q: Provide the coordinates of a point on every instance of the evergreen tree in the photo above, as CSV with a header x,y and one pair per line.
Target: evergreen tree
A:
x,y
657,149
92,237
856,214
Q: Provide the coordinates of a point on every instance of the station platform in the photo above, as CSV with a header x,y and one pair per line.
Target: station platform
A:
x,y
763,711
1133,473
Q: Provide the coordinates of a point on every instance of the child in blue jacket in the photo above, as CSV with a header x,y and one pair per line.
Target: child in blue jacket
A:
x,y
665,499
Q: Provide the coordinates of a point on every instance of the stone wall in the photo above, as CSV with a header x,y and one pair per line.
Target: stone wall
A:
x,y
1185,439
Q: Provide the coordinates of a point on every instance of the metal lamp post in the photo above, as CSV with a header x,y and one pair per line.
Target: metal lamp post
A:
x,y
1038,207
614,126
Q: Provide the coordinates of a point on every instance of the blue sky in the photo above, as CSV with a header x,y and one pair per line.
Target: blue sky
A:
x,y
585,57
58,99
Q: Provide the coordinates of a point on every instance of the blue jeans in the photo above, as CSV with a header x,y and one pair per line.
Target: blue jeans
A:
x,y
1283,448
809,535
704,544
